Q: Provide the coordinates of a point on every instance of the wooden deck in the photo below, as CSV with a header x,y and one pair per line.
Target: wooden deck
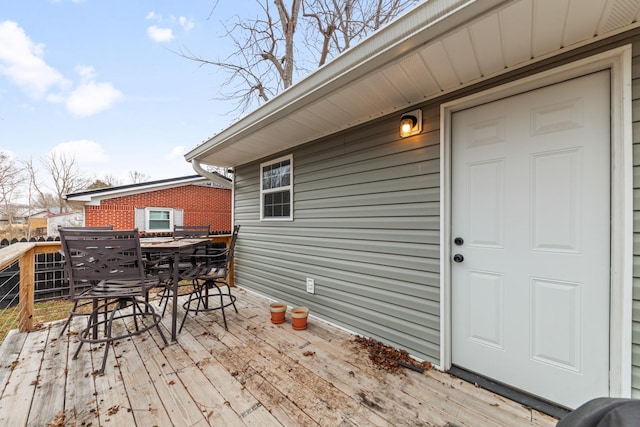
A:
x,y
256,374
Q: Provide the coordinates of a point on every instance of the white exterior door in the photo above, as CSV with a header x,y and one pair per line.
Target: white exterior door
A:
x,y
531,202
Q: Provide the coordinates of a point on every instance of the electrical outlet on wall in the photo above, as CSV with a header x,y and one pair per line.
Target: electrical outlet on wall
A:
x,y
311,287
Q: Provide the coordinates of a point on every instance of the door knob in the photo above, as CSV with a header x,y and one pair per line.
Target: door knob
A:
x,y
458,258
458,241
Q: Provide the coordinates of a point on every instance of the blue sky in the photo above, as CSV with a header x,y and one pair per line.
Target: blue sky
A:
x,y
98,79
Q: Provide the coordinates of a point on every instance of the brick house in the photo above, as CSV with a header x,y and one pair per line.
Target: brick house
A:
x,y
157,206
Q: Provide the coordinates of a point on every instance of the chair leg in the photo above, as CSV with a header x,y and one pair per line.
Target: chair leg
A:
x,y
91,325
187,307
202,295
231,297
134,306
224,316
71,312
156,319
165,298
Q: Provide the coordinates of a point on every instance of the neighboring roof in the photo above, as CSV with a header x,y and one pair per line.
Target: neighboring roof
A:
x,y
91,197
23,211
438,47
61,214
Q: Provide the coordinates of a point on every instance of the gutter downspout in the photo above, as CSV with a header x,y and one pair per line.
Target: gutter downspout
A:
x,y
212,176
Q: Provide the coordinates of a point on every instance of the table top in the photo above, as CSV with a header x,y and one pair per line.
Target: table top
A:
x,y
170,243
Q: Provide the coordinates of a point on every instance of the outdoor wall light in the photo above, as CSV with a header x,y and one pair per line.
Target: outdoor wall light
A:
x,y
411,123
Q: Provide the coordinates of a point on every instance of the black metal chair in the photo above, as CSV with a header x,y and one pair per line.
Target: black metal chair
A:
x,y
111,261
163,266
191,231
79,307
208,273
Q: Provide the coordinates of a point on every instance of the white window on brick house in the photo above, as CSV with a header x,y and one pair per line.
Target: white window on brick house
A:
x,y
158,220
276,189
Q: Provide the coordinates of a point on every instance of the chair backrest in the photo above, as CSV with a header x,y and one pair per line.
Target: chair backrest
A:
x,y
232,247
95,255
72,288
96,227
191,231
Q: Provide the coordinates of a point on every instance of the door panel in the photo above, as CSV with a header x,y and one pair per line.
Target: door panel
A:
x,y
531,199
486,199
555,201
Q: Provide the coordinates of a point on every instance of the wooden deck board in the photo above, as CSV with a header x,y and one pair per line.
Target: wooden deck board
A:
x,y
10,350
47,397
169,390
337,362
244,371
316,397
146,406
81,400
236,396
17,397
254,374
203,390
340,390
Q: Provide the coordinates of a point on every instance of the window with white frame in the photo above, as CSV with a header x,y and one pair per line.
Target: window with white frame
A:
x,y
276,189
159,219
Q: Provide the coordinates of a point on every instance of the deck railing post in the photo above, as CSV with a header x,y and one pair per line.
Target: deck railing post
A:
x,y
27,284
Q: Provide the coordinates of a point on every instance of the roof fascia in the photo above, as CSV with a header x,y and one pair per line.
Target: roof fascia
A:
x,y
95,198
422,24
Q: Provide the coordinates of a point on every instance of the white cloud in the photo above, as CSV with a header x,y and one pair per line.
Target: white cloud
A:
x,y
10,154
83,150
187,24
163,32
21,61
154,16
176,153
90,97
86,72
160,35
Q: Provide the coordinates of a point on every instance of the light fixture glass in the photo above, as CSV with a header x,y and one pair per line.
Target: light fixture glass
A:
x,y
411,123
406,124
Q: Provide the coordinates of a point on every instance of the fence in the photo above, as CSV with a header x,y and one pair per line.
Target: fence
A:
x,y
49,282
32,284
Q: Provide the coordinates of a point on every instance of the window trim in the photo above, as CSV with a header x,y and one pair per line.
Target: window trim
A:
x,y
147,212
278,189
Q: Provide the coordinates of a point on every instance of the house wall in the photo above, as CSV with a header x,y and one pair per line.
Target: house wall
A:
x,y
635,74
201,205
366,225
366,218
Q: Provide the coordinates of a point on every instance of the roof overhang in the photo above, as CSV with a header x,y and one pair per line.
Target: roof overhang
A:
x,y
94,197
438,47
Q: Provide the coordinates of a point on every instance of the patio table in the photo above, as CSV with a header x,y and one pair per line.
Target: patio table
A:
x,y
174,247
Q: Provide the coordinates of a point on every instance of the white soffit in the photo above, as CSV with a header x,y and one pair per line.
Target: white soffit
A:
x,y
438,47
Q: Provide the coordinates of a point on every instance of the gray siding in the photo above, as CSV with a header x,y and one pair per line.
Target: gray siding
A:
x,y
366,219
636,220
367,228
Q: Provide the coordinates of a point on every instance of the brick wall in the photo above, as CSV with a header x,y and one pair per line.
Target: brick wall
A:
x,y
201,205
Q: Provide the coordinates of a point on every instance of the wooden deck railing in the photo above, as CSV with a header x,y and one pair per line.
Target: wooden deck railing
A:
x,y
25,253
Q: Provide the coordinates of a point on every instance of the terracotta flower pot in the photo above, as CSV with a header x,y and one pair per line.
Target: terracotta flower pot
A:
x,y
299,318
278,309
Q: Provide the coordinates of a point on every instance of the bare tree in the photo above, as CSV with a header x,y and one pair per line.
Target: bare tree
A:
x,y
11,183
111,180
269,52
38,197
337,25
65,176
136,177
98,183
